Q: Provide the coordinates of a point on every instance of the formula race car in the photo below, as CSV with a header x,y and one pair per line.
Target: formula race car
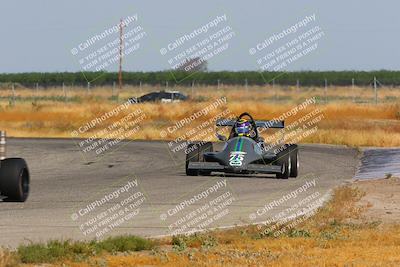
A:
x,y
14,176
244,152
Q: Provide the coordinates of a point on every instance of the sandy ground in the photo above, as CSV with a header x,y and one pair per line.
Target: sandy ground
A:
x,y
382,199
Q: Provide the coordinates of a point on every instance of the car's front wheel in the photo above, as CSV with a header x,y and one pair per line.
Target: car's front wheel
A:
x,y
285,162
206,147
294,158
192,155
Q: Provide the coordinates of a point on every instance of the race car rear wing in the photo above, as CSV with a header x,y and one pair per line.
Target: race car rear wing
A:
x,y
259,124
270,124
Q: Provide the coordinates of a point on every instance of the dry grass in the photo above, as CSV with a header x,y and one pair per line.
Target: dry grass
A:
x,y
8,258
46,114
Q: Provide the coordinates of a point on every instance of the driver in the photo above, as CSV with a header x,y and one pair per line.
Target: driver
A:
x,y
243,127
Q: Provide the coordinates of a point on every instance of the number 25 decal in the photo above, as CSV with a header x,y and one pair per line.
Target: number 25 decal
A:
x,y
236,158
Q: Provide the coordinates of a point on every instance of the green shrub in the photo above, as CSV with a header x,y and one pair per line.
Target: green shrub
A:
x,y
77,250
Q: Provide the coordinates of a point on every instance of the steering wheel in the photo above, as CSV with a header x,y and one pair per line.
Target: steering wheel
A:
x,y
252,122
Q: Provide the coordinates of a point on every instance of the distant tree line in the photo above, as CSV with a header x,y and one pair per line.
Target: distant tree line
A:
x,y
305,78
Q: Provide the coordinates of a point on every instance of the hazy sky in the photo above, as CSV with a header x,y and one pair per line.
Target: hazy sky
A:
x,y
358,35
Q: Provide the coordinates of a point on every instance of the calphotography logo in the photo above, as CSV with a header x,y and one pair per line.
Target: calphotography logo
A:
x,y
281,49
105,49
201,209
111,211
191,51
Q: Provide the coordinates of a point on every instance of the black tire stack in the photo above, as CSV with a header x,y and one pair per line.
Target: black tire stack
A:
x,y
14,179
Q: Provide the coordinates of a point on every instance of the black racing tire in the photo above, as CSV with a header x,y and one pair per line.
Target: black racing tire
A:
x,y
206,147
192,155
283,160
14,180
294,158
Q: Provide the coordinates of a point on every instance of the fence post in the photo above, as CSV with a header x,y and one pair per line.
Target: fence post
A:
x,y
88,87
326,91
64,92
352,89
113,89
376,91
13,94
297,84
246,84
2,145
218,81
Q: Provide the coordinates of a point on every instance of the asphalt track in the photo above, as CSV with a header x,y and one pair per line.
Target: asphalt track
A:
x,y
379,163
65,181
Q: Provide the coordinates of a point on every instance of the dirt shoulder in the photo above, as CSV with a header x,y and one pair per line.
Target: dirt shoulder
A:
x,y
382,199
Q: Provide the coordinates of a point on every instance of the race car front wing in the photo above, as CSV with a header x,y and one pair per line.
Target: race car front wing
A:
x,y
215,166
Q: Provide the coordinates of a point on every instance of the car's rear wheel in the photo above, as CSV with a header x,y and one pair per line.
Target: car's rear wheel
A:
x,y
14,179
285,163
294,158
